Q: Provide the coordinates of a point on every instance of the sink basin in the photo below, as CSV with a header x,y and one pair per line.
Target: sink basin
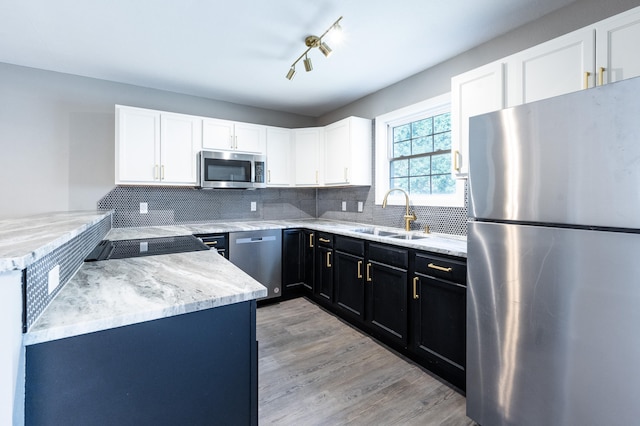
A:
x,y
408,237
374,231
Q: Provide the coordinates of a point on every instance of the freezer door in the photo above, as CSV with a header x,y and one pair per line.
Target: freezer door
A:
x,y
552,326
573,159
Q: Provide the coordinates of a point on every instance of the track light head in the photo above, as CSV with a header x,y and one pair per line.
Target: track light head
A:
x,y
325,49
291,73
307,64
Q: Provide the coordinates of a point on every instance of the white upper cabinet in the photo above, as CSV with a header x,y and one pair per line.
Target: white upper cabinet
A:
x,y
559,66
156,148
347,152
180,137
475,92
307,148
278,156
617,40
233,136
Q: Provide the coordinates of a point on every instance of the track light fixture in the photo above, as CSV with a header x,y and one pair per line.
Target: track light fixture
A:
x,y
311,42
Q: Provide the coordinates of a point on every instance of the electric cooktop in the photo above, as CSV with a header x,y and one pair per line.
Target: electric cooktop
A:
x,y
123,249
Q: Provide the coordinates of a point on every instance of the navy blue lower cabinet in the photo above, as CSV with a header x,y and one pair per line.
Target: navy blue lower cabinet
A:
x,y
192,369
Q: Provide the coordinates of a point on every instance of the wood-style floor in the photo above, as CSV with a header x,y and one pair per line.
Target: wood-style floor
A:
x,y
316,370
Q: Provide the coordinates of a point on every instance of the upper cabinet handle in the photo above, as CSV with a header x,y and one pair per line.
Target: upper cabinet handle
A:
x,y
601,76
586,79
456,162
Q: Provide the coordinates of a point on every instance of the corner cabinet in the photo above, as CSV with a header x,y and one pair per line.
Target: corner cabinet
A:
x,y
307,146
347,152
156,148
233,136
475,92
278,157
617,46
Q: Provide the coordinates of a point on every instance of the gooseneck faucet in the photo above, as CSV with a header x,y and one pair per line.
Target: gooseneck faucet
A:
x,y
407,217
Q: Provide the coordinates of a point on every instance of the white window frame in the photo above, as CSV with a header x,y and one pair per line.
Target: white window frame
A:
x,y
383,145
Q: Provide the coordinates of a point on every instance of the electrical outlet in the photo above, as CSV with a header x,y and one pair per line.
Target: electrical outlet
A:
x,y
344,206
360,206
144,208
53,278
254,206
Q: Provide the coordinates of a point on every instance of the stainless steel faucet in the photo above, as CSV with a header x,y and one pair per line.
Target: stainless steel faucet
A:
x,y
408,217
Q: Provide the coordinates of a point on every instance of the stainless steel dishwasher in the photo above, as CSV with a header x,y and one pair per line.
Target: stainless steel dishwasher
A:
x,y
259,254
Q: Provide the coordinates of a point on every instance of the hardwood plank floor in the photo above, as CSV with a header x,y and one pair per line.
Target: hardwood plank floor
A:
x,y
316,370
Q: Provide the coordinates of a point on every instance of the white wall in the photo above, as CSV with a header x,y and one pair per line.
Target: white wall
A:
x,y
437,80
57,135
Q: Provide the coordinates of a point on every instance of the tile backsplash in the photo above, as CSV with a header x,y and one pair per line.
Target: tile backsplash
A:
x,y
175,205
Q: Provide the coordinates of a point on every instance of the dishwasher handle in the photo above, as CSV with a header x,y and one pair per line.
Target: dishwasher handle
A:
x,y
249,240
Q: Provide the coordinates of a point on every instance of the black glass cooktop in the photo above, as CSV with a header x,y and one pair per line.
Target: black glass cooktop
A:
x,y
123,249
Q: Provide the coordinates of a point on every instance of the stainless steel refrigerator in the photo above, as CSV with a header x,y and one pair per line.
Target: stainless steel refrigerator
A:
x,y
553,296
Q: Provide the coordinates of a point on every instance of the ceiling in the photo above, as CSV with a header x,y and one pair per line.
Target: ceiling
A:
x,y
240,51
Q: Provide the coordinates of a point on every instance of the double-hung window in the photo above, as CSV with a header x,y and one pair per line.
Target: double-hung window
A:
x,y
413,153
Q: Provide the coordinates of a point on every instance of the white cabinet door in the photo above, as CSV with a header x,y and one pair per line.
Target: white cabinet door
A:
x,y
233,136
307,148
475,92
559,66
250,137
617,41
347,152
137,145
179,144
278,156
217,134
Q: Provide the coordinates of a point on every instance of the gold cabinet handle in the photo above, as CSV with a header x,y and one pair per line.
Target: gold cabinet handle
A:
x,y
415,285
368,272
231,140
236,138
346,174
439,268
328,259
587,74
155,172
268,176
211,243
316,177
601,76
311,240
324,240
359,268
456,162
162,172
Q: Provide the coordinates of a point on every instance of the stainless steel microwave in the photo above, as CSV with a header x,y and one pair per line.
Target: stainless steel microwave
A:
x,y
220,169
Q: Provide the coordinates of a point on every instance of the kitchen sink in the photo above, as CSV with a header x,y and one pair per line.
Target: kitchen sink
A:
x,y
375,231
408,237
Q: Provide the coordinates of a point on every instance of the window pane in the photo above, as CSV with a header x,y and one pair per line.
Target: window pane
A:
x,y
420,166
400,168
401,149
442,123
443,184
422,128
402,183
422,145
441,164
421,185
442,141
402,133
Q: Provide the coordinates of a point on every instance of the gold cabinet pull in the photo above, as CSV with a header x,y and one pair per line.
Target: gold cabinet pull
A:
x,y
439,268
155,172
328,259
415,285
311,240
324,240
587,74
162,172
346,174
456,162
268,176
316,177
359,268
211,243
601,76
368,272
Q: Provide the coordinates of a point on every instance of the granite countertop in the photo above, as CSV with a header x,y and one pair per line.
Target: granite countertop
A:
x,y
454,245
25,240
114,293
